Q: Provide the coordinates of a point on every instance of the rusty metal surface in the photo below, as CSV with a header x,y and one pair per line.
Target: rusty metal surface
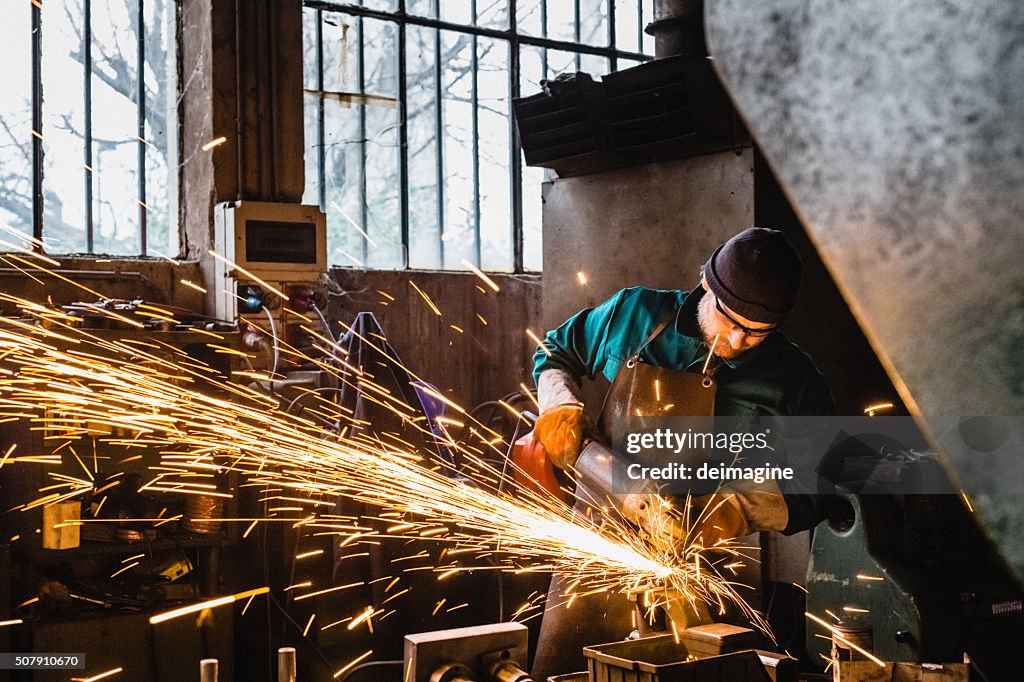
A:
x,y
895,130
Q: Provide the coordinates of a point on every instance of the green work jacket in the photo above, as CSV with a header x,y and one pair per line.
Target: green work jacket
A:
x,y
775,378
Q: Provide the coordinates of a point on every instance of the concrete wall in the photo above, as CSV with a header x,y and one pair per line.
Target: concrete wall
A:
x,y
128,278
652,225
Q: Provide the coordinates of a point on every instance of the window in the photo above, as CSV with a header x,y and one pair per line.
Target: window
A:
x,y
410,146
88,154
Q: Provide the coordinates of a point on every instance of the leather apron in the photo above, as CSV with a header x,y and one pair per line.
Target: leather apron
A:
x,y
639,389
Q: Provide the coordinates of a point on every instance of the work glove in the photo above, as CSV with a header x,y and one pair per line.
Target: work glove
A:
x,y
737,509
560,430
716,519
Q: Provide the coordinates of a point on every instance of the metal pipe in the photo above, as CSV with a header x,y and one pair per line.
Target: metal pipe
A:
x,y
208,670
140,72
604,476
286,664
678,28
504,34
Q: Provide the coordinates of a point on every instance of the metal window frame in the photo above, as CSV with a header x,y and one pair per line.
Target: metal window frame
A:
x,y
515,40
38,151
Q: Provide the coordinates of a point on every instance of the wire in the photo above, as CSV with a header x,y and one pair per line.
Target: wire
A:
x,y
277,347
369,664
323,320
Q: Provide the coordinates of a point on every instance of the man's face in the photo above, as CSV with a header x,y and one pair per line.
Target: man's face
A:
x,y
732,339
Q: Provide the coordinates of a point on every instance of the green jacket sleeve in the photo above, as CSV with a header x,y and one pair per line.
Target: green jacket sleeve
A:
x,y
580,346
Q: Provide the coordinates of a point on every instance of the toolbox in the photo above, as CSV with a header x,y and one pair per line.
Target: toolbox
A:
x,y
662,659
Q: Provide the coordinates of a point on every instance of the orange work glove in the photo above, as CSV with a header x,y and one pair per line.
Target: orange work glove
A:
x,y
560,429
717,518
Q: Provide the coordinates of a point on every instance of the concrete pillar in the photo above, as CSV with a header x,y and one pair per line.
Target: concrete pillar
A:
x,y
241,79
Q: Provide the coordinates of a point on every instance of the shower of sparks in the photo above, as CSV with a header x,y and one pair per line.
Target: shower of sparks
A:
x,y
134,393
216,142
202,606
193,285
426,298
480,273
101,676
536,340
838,635
582,278
870,410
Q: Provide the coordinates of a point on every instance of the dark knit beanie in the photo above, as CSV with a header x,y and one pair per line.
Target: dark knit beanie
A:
x,y
756,274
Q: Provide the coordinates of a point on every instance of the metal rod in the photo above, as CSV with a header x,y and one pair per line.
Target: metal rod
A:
x,y
89,168
321,156
403,145
37,123
140,70
544,34
208,670
439,138
613,63
475,140
577,32
286,664
365,209
515,167
504,34
640,26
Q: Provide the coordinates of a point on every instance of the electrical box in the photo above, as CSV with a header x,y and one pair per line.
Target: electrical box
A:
x,y
265,246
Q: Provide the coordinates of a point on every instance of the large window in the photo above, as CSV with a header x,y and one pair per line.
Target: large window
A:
x,y
88,155
410,144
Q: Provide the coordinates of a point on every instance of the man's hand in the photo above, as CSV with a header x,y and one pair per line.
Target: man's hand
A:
x,y
560,429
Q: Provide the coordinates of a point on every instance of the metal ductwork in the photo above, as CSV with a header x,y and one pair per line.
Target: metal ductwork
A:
x,y
894,130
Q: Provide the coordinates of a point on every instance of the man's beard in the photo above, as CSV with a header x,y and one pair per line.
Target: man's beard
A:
x,y
722,349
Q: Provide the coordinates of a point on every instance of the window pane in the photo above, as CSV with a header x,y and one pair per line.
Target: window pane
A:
x,y
492,13
16,123
627,25
340,52
422,8
494,144
459,238
311,108
594,65
309,49
559,62
528,17
161,127
647,42
561,20
380,74
594,22
422,112
457,11
530,74
64,174
383,5
341,146
531,70
115,128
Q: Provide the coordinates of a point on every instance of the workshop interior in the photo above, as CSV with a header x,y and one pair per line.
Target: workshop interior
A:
x,y
276,274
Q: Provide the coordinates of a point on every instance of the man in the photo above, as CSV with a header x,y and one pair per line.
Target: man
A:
x,y
718,347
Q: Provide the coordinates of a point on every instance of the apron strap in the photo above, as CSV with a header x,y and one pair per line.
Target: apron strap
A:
x,y
657,330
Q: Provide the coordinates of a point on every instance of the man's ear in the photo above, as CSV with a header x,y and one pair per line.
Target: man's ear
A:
x,y
704,282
